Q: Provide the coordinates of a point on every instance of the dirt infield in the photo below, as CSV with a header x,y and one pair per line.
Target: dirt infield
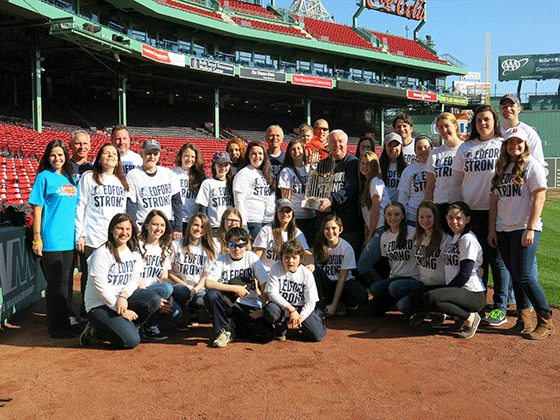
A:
x,y
367,368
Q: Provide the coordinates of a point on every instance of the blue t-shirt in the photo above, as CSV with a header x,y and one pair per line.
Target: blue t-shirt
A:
x,y
59,199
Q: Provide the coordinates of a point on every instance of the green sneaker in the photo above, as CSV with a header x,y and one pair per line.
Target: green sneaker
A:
x,y
495,317
223,339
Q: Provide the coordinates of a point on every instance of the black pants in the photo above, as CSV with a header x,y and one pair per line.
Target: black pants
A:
x,y
57,266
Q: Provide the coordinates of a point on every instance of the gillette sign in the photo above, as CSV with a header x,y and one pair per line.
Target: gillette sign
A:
x,y
523,67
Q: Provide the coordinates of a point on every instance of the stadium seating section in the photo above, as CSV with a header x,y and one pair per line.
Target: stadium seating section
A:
x,y
288,30
247,8
406,47
191,9
334,32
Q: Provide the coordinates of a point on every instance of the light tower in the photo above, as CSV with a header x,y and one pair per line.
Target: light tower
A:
x,y
313,9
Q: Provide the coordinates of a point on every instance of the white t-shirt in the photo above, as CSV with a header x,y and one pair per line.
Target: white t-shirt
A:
x,y
130,161
401,260
288,179
341,257
252,196
439,164
409,153
190,270
476,160
514,205
265,240
467,248
153,265
225,268
97,204
214,195
107,278
297,289
152,192
534,142
188,197
431,270
412,188
376,187
392,183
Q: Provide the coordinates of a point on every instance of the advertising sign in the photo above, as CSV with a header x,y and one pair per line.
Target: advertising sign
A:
x,y
312,81
422,96
212,66
444,98
410,9
523,67
261,74
163,56
470,88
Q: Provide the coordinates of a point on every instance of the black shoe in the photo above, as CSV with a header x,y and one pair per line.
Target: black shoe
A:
x,y
181,326
87,334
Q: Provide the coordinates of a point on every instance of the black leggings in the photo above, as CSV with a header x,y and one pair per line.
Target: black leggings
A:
x,y
57,266
455,301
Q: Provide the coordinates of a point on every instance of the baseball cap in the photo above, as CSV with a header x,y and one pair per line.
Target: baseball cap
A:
x,y
150,144
221,157
284,202
392,136
517,132
511,97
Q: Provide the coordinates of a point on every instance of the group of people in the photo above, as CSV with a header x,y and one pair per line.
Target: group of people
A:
x,y
416,228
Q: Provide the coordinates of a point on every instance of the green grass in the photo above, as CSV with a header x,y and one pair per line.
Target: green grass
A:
x,y
548,252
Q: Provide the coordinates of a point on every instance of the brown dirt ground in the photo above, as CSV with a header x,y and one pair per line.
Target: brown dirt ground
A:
x,y
366,368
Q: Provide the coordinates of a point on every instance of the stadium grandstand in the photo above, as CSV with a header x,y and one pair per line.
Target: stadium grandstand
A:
x,y
195,70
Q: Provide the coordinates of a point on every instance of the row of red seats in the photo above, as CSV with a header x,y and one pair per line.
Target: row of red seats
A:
x,y
289,30
186,7
334,32
408,47
247,7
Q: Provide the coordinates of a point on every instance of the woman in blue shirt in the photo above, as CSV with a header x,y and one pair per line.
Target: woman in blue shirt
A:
x,y
54,199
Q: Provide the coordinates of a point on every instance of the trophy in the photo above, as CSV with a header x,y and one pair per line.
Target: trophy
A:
x,y
319,184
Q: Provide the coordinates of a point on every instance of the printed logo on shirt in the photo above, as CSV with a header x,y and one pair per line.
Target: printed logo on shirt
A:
x,y
451,255
338,181
220,197
185,191
128,167
153,267
292,292
66,190
156,196
424,262
190,266
398,254
108,196
419,181
297,186
392,179
442,167
409,158
333,265
227,275
261,188
508,188
120,273
482,160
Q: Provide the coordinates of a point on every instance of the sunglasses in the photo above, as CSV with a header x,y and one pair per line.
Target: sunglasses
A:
x,y
322,129
234,245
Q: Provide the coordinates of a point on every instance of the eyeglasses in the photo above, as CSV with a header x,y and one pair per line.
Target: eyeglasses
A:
x,y
234,245
233,220
322,128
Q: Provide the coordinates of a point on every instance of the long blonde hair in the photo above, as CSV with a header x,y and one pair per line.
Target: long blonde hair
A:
x,y
374,172
453,120
518,166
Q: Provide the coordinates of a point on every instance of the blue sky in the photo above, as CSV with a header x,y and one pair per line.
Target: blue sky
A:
x,y
459,27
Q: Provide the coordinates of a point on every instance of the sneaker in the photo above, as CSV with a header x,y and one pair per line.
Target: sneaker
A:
x,y
417,319
495,317
153,333
74,324
353,308
469,332
437,320
280,337
320,313
193,322
87,334
181,326
223,339
341,310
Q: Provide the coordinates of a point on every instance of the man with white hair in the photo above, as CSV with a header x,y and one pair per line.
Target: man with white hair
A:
x,y
344,199
274,139
80,145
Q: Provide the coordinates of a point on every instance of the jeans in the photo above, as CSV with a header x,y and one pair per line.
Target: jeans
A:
x,y
521,263
312,327
164,291
371,253
352,295
307,227
120,332
400,289
491,257
258,330
57,267
455,301
254,228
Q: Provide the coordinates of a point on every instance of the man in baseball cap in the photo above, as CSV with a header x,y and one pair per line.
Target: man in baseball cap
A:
x,y
510,107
